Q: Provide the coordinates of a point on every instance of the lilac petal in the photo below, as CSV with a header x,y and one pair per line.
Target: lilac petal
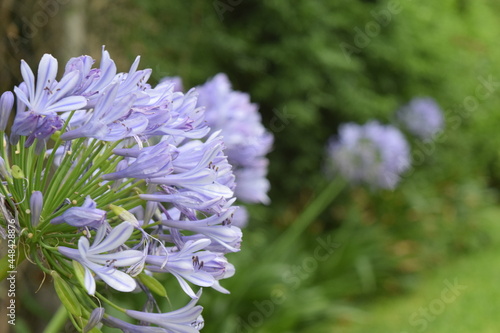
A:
x,y
77,133
135,65
134,125
70,253
47,71
220,288
107,71
118,259
22,96
150,163
183,320
89,281
70,103
201,279
29,80
184,285
100,234
117,237
67,84
83,246
106,101
114,278
130,328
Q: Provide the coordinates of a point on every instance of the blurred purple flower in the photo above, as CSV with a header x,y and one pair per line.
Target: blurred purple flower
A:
x,y
374,154
422,117
245,137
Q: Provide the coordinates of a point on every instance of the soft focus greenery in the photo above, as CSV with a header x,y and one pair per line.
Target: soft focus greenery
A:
x,y
289,57
294,58
470,309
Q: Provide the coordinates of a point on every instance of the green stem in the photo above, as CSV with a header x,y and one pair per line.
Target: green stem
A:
x,y
278,250
308,215
107,301
58,320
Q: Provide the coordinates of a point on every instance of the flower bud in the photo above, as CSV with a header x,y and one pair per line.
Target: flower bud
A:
x,y
36,203
4,173
6,104
95,318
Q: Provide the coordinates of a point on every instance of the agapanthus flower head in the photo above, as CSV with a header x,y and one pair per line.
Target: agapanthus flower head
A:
x,y
246,139
422,117
133,188
373,154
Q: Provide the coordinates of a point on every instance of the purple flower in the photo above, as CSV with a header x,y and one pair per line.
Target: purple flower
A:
x,y
38,105
200,177
110,120
150,162
131,328
176,184
104,265
187,319
48,96
202,268
422,117
45,127
372,154
91,81
85,216
173,113
247,141
216,227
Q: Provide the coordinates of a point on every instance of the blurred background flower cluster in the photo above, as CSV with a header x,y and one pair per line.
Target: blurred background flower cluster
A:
x,y
420,76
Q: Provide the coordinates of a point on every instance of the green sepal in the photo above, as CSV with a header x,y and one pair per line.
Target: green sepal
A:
x,y
66,295
153,284
124,214
17,172
79,272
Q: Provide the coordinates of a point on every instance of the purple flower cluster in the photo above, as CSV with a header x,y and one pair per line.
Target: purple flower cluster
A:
x,y
177,182
373,154
421,117
246,139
